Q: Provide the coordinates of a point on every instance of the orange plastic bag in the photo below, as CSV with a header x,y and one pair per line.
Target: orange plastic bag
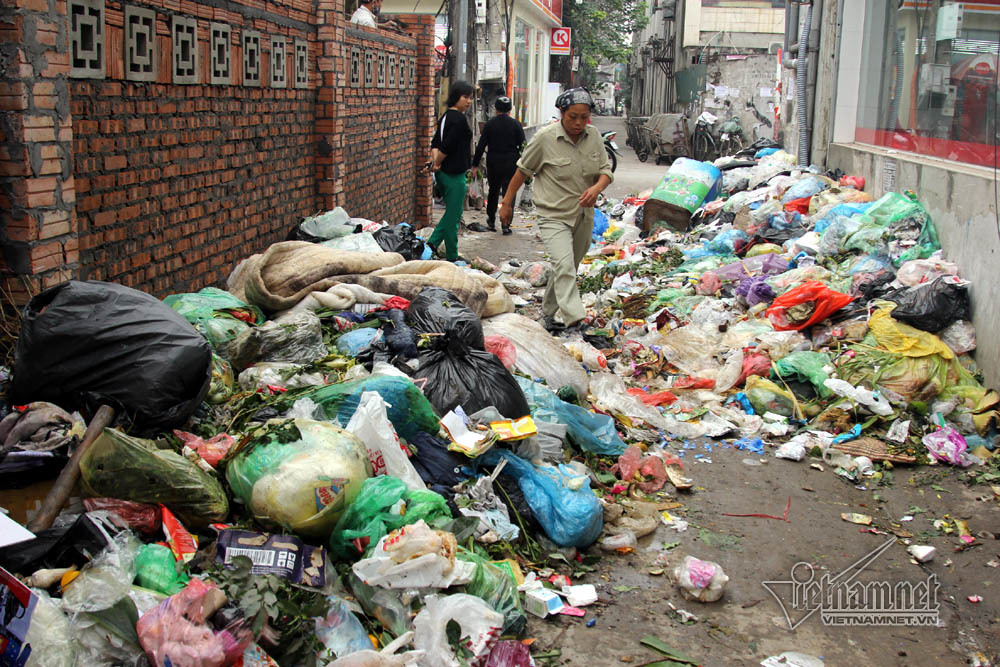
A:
x,y
804,306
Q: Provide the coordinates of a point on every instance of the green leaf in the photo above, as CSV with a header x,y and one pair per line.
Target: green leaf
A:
x,y
667,650
938,487
119,620
624,589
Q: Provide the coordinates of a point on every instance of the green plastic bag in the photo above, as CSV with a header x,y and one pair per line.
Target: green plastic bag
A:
x,y
300,475
902,212
805,367
383,505
497,589
220,331
156,569
121,466
766,396
408,409
212,302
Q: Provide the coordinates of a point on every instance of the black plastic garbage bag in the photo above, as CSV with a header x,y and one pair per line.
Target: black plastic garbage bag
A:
x,y
62,546
400,238
474,379
439,467
87,343
932,306
399,337
438,311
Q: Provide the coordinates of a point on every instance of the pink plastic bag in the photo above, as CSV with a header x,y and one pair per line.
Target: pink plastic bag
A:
x,y
503,349
947,445
650,468
212,450
177,632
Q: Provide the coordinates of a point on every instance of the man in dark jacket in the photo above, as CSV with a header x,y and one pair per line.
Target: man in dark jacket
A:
x,y
502,138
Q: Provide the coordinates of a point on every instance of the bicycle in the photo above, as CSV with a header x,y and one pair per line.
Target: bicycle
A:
x,y
732,138
703,145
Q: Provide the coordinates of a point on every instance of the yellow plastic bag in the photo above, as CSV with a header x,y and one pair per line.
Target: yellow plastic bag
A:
x,y
903,339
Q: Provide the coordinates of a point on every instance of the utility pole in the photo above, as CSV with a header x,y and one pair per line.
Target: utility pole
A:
x,y
460,33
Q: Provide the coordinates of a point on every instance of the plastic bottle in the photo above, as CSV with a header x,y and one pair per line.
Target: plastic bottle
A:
x,y
340,630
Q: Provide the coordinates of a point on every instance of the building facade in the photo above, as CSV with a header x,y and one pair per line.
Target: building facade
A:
x,y
906,95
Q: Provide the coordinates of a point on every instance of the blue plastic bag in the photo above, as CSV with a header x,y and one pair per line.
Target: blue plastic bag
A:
x,y
356,341
570,517
764,152
807,187
600,223
590,431
408,409
845,210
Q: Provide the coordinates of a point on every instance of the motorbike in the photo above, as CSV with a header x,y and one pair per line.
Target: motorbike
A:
x,y
611,147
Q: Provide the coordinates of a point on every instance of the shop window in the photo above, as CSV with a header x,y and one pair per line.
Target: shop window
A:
x,y
929,79
522,70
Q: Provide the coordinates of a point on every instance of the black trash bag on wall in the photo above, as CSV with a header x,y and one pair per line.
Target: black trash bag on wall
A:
x,y
932,306
437,310
400,238
87,343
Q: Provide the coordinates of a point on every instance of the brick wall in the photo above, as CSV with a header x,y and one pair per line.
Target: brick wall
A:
x,y
162,167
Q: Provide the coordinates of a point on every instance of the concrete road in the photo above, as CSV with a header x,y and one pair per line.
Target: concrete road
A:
x,y
632,176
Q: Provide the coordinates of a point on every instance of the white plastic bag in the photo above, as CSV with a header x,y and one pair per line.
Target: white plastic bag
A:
x,y
870,399
539,355
610,392
372,426
480,629
387,657
960,336
918,271
417,557
701,580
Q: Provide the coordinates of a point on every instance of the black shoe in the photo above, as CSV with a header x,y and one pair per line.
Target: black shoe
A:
x,y
491,225
553,326
476,227
507,231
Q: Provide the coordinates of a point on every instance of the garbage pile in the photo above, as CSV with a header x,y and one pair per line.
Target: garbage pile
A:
x,y
358,456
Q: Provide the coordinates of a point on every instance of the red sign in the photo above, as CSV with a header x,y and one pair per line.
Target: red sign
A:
x,y
560,41
552,8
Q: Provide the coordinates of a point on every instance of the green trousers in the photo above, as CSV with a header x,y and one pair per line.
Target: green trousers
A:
x,y
567,244
453,188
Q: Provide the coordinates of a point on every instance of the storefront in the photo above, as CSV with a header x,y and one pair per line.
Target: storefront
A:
x,y
928,78
532,94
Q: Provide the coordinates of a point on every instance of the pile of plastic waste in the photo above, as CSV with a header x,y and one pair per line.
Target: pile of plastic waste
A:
x,y
354,453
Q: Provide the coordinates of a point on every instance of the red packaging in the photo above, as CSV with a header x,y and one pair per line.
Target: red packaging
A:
x,y
503,349
140,517
183,544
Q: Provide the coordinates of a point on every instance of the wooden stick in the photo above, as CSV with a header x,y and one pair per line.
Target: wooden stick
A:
x,y
70,474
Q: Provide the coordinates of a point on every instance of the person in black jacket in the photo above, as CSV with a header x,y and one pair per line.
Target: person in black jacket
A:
x,y
450,159
503,138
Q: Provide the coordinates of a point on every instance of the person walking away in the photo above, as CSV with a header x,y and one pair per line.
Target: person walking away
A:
x,y
366,13
450,159
570,169
502,139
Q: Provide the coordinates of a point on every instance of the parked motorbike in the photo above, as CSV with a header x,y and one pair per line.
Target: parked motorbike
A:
x,y
611,147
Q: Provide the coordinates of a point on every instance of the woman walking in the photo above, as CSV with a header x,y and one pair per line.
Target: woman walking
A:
x,y
570,167
502,140
450,159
